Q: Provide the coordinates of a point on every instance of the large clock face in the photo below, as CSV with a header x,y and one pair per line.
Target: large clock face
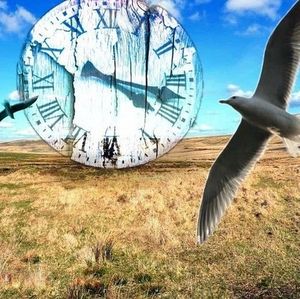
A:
x,y
119,83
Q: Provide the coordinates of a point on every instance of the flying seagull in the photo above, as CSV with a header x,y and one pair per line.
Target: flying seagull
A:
x,y
263,115
9,110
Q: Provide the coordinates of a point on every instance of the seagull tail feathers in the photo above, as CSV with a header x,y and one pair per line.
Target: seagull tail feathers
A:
x,y
293,145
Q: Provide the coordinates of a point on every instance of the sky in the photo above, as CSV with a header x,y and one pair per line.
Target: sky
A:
x,y
230,37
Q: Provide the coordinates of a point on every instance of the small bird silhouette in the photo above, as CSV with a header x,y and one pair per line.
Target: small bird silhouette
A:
x,y
263,115
11,109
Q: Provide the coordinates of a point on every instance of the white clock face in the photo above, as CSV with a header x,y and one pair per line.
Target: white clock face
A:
x,y
119,83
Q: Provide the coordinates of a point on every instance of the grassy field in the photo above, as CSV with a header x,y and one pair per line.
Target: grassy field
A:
x,y
68,231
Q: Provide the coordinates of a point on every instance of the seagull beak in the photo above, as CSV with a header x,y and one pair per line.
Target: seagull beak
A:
x,y
224,101
32,100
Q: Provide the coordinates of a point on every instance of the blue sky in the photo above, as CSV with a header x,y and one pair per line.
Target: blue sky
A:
x,y
230,36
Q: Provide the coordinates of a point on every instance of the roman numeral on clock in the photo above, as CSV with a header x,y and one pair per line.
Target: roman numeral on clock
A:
x,y
46,82
167,47
108,18
176,80
75,135
51,113
169,112
146,136
153,139
23,79
75,26
46,48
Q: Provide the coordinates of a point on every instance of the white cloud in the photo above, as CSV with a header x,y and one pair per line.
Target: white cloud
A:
x,y
233,89
25,15
14,21
26,132
267,8
14,96
6,124
3,4
205,127
253,29
295,98
174,7
230,19
196,16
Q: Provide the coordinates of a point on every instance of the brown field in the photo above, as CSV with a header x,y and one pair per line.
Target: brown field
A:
x,y
68,231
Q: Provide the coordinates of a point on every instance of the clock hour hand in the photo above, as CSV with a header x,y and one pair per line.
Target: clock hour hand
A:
x,y
137,96
134,91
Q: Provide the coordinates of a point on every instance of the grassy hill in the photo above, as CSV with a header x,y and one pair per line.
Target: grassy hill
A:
x,y
69,231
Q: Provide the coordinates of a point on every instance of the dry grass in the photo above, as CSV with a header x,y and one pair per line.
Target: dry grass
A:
x,y
68,231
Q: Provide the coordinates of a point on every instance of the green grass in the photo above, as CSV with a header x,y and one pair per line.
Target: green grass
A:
x,y
69,231
11,157
268,182
11,186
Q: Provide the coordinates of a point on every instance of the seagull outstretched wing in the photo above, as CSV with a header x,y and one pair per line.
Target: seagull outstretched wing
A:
x,y
3,114
23,105
281,60
226,174
11,109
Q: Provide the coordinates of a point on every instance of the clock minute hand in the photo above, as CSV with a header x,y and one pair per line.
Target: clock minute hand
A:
x,y
161,94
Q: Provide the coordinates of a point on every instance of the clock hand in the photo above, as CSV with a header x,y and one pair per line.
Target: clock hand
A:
x,y
135,92
161,94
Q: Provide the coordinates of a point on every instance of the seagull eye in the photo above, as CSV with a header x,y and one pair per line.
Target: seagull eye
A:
x,y
234,98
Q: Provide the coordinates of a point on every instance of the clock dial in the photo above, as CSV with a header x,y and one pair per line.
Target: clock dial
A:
x,y
119,83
